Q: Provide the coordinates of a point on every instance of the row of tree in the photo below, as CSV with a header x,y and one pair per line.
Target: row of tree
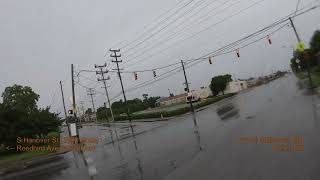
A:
x,y
119,107
20,116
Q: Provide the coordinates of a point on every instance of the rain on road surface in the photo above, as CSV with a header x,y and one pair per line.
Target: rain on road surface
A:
x,y
172,149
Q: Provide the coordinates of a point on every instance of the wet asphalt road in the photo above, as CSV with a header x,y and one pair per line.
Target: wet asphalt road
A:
x,y
172,149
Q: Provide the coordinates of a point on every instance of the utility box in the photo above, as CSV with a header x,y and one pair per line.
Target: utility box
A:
x,y
73,129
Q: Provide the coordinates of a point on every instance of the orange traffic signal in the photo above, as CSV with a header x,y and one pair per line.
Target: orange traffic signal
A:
x,y
135,75
238,52
269,39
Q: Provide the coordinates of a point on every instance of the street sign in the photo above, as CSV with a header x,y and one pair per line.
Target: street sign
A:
x,y
300,47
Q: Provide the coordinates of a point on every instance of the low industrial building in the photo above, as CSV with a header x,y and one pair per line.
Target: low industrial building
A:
x,y
202,93
236,86
167,101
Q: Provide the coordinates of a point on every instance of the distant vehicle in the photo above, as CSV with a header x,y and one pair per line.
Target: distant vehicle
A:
x,y
192,97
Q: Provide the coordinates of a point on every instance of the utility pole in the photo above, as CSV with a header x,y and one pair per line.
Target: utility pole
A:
x,y
299,41
74,102
103,79
64,108
91,93
73,94
188,90
116,56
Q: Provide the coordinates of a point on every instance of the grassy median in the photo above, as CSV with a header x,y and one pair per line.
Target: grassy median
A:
x,y
174,112
12,157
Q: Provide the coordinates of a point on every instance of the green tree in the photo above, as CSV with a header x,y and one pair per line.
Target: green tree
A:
x,y
20,116
150,102
315,42
219,83
45,122
300,59
145,97
21,97
89,111
102,113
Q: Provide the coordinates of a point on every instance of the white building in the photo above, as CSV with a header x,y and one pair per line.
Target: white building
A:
x,y
202,93
167,101
236,86
232,87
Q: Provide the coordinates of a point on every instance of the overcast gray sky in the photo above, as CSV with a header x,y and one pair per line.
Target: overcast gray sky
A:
x,y
39,39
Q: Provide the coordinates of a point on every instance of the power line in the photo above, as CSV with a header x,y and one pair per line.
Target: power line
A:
x,y
205,29
149,82
163,50
224,48
183,29
143,84
144,70
297,6
282,20
86,87
197,4
198,60
160,23
151,22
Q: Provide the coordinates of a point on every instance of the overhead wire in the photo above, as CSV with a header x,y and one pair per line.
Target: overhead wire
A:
x,y
205,29
192,9
167,38
230,45
224,48
221,51
149,82
160,23
170,73
282,20
154,20
163,50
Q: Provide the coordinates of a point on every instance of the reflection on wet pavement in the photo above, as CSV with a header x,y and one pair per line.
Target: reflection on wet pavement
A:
x,y
228,111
